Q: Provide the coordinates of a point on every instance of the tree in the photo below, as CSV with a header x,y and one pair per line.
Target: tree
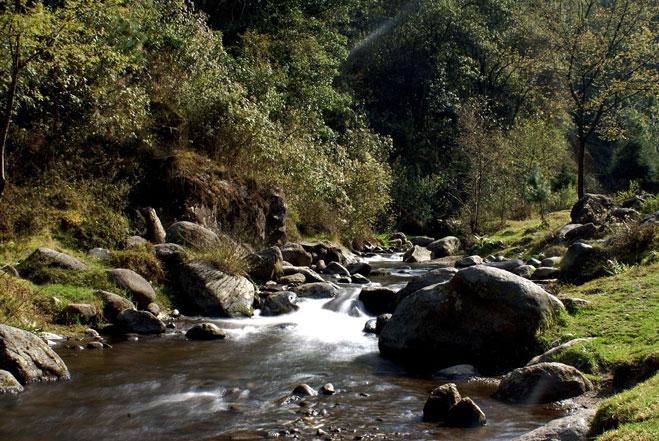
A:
x,y
605,53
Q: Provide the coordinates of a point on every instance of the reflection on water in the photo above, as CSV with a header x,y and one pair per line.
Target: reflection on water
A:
x,y
169,388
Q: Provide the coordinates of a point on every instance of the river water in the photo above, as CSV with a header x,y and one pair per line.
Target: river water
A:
x,y
168,388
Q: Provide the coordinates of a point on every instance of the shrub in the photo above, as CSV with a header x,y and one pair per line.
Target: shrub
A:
x,y
631,243
142,261
17,307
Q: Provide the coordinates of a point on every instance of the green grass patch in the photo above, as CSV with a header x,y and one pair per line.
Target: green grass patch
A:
x,y
622,315
630,415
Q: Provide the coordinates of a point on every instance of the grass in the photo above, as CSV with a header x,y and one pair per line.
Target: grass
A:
x,y
630,415
525,238
227,256
622,315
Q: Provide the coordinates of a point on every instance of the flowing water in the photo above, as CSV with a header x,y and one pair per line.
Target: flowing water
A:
x,y
168,388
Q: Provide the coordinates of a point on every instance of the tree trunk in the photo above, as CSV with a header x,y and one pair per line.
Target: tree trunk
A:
x,y
6,115
581,159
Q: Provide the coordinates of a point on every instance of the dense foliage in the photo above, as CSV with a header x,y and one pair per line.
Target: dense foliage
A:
x,y
363,112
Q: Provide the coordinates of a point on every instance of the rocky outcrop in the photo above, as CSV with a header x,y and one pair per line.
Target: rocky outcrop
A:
x,y
582,263
29,358
113,304
439,275
266,264
205,290
483,316
329,252
542,383
282,302
296,255
191,235
198,190
131,321
447,246
319,290
592,208
139,288
417,254
378,300
205,331
575,427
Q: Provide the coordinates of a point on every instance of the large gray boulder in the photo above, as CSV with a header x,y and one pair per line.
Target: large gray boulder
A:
x,y
446,246
113,304
378,300
483,316
542,383
29,358
582,262
295,254
592,208
318,290
48,258
439,275
417,254
192,235
266,264
205,290
574,427
205,331
139,288
423,241
131,321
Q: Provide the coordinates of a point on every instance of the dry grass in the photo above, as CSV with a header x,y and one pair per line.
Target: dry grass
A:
x,y
227,256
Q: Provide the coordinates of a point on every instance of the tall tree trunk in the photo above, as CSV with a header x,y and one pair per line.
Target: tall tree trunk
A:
x,y
6,115
581,159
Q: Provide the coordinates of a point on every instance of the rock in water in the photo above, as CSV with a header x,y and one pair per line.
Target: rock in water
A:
x,y
337,269
440,275
381,321
211,292
440,401
465,414
131,321
417,254
484,316
113,304
378,300
192,235
278,303
296,255
328,389
9,384
324,290
304,390
575,427
28,358
205,331
469,261
542,383
447,246
139,288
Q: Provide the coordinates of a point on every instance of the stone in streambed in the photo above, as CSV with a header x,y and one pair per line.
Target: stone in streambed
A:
x,y
304,390
139,322
378,300
113,304
465,414
205,331
440,401
140,289
9,384
328,389
282,302
318,290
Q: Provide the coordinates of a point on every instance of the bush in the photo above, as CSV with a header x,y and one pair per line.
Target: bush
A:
x,y
17,307
142,261
631,243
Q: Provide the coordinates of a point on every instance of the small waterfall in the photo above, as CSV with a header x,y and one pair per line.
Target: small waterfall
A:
x,y
347,303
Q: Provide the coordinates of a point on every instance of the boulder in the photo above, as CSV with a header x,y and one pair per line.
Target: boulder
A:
x,y
282,302
318,290
575,427
48,258
565,230
131,321
153,308
398,236
9,384
328,389
296,254
191,235
440,401
266,264
205,331
310,276
135,242
546,273
304,390
550,261
507,264
155,233
534,262
525,271
651,219
574,304
378,300
592,208
447,246
329,252
79,313
205,290
362,268
581,232
439,275
370,326
553,353
542,383
113,304
337,269
359,279
28,358
293,279
417,254
458,372
99,253
422,241
582,263
381,321
139,288
625,214
164,251
483,316
469,261
465,414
